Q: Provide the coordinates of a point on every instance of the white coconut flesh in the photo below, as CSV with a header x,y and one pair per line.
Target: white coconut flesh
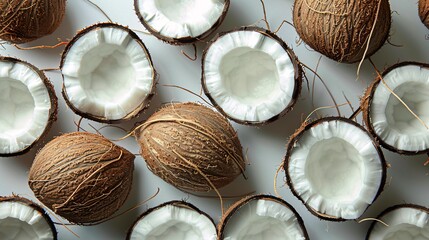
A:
x,y
172,222
24,106
335,169
391,120
181,18
405,223
249,75
263,220
19,221
107,73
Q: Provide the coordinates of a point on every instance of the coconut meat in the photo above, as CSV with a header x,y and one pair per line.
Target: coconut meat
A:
x,y
263,220
405,223
181,18
19,221
174,223
24,106
249,75
107,73
391,121
335,169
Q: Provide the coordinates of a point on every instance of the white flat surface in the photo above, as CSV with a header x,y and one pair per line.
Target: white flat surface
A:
x,y
407,177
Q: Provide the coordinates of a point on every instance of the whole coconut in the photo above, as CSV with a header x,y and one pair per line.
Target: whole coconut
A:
x,y
23,21
424,12
341,29
82,177
191,146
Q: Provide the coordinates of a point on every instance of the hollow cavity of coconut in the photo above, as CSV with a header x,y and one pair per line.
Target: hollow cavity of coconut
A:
x,y
23,21
108,73
181,21
262,217
176,220
335,167
405,222
341,29
82,177
251,75
424,12
22,219
28,106
389,120
191,146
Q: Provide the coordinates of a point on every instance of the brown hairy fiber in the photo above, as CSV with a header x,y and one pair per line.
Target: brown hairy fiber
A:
x,y
190,146
341,29
424,12
23,21
82,177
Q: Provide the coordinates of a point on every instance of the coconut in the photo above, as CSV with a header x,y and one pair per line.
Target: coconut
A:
x,y
191,146
21,218
341,29
405,222
181,21
424,12
23,21
262,217
108,73
82,177
251,75
335,167
28,106
395,127
176,220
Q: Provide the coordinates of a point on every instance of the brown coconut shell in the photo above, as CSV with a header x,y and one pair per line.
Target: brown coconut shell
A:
x,y
424,12
23,21
293,143
179,204
340,29
366,102
241,203
298,75
390,209
31,204
52,96
145,102
82,177
181,40
190,146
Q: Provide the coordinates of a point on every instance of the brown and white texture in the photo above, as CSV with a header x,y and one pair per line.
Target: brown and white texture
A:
x,y
424,12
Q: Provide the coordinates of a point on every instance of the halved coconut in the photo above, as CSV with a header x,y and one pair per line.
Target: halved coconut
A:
x,y
108,73
175,220
406,222
21,219
251,75
181,21
388,119
262,217
28,106
335,167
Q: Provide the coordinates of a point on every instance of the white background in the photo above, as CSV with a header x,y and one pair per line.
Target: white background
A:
x,y
407,177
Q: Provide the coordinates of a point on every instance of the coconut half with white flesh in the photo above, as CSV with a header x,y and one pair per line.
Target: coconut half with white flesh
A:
x,y
405,222
262,217
108,73
181,21
335,167
388,119
21,219
175,220
28,106
251,75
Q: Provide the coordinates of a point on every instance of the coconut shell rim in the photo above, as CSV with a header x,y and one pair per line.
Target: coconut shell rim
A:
x,y
307,126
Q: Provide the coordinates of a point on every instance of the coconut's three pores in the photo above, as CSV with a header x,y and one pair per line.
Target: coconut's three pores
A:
x,y
191,147
82,177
